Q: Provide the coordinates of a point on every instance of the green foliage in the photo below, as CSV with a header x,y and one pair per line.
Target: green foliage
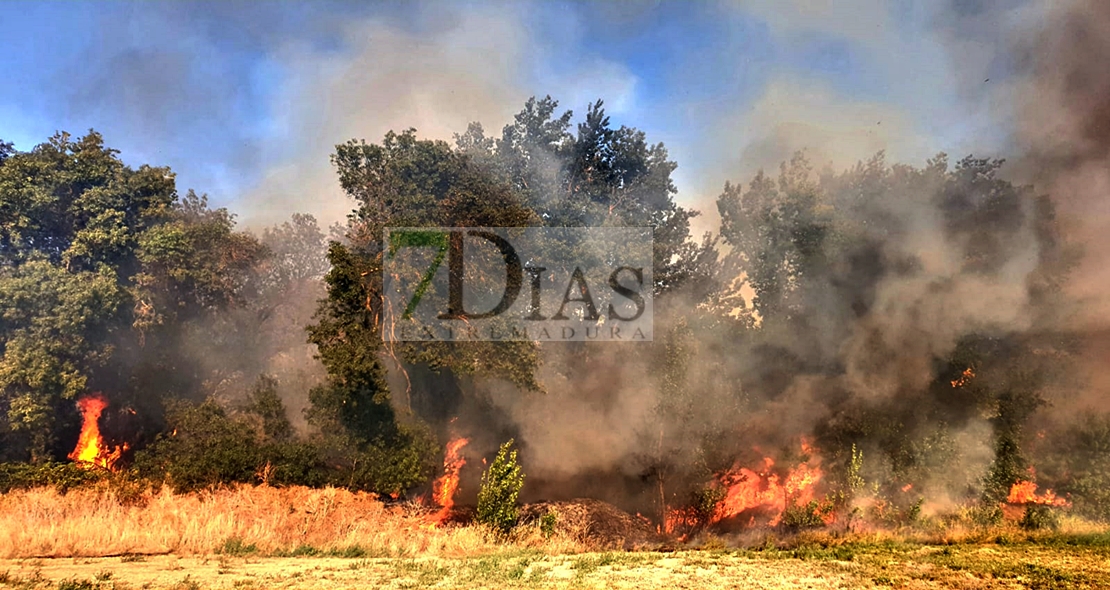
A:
x,y
352,408
236,547
1008,467
808,515
986,514
914,512
295,255
387,467
265,403
548,522
501,485
204,447
854,477
1039,517
705,501
100,264
60,476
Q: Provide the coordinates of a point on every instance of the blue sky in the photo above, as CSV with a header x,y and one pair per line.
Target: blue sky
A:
x,y
245,100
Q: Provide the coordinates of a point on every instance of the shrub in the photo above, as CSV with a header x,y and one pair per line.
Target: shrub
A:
x,y
236,547
705,501
501,485
264,402
854,477
986,514
61,476
385,465
295,463
1039,517
809,515
205,447
547,524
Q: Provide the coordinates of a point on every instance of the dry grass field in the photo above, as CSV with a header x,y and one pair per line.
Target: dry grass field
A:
x,y
260,537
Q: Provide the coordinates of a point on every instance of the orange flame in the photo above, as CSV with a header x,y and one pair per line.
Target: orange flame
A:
x,y
758,490
444,488
1025,492
91,450
964,377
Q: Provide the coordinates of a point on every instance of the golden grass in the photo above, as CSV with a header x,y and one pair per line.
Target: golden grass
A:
x,y
609,571
91,522
396,546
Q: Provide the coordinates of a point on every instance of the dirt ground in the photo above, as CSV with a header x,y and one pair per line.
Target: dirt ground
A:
x,y
611,570
960,566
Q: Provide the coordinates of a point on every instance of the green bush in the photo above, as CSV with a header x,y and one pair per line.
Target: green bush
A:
x,y
803,516
385,465
705,501
986,514
1039,517
61,476
204,447
547,524
295,463
264,403
501,485
236,547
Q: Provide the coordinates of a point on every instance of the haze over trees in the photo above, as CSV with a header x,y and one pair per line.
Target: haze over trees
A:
x,y
912,313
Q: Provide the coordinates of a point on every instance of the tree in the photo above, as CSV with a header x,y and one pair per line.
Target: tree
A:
x,y
103,271
851,291
501,485
265,403
296,254
352,408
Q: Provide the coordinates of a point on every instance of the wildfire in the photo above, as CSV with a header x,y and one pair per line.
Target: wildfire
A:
x,y
759,490
1025,492
91,450
444,488
964,377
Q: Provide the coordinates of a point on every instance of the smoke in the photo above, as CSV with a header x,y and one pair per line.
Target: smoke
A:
x,y
1013,78
458,66
1063,132
1014,81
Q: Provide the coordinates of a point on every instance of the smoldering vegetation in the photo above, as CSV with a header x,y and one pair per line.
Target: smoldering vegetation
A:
x,y
882,342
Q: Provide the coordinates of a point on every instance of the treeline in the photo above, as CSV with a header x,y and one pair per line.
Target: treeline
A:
x,y
898,310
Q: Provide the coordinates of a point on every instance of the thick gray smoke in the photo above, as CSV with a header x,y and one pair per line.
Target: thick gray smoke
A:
x,y
1051,93
1062,137
1017,80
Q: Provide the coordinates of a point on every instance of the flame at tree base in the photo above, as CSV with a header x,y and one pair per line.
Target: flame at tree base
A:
x,y
91,452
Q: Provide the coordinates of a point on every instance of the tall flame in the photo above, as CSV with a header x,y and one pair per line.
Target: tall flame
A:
x,y
444,488
91,450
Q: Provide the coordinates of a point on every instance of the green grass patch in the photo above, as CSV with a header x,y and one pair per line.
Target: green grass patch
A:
x,y
236,547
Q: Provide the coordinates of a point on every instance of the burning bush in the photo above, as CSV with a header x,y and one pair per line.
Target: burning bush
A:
x,y
1075,461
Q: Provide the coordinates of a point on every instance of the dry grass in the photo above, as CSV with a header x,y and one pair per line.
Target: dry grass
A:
x,y
93,522
624,571
963,567
261,537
